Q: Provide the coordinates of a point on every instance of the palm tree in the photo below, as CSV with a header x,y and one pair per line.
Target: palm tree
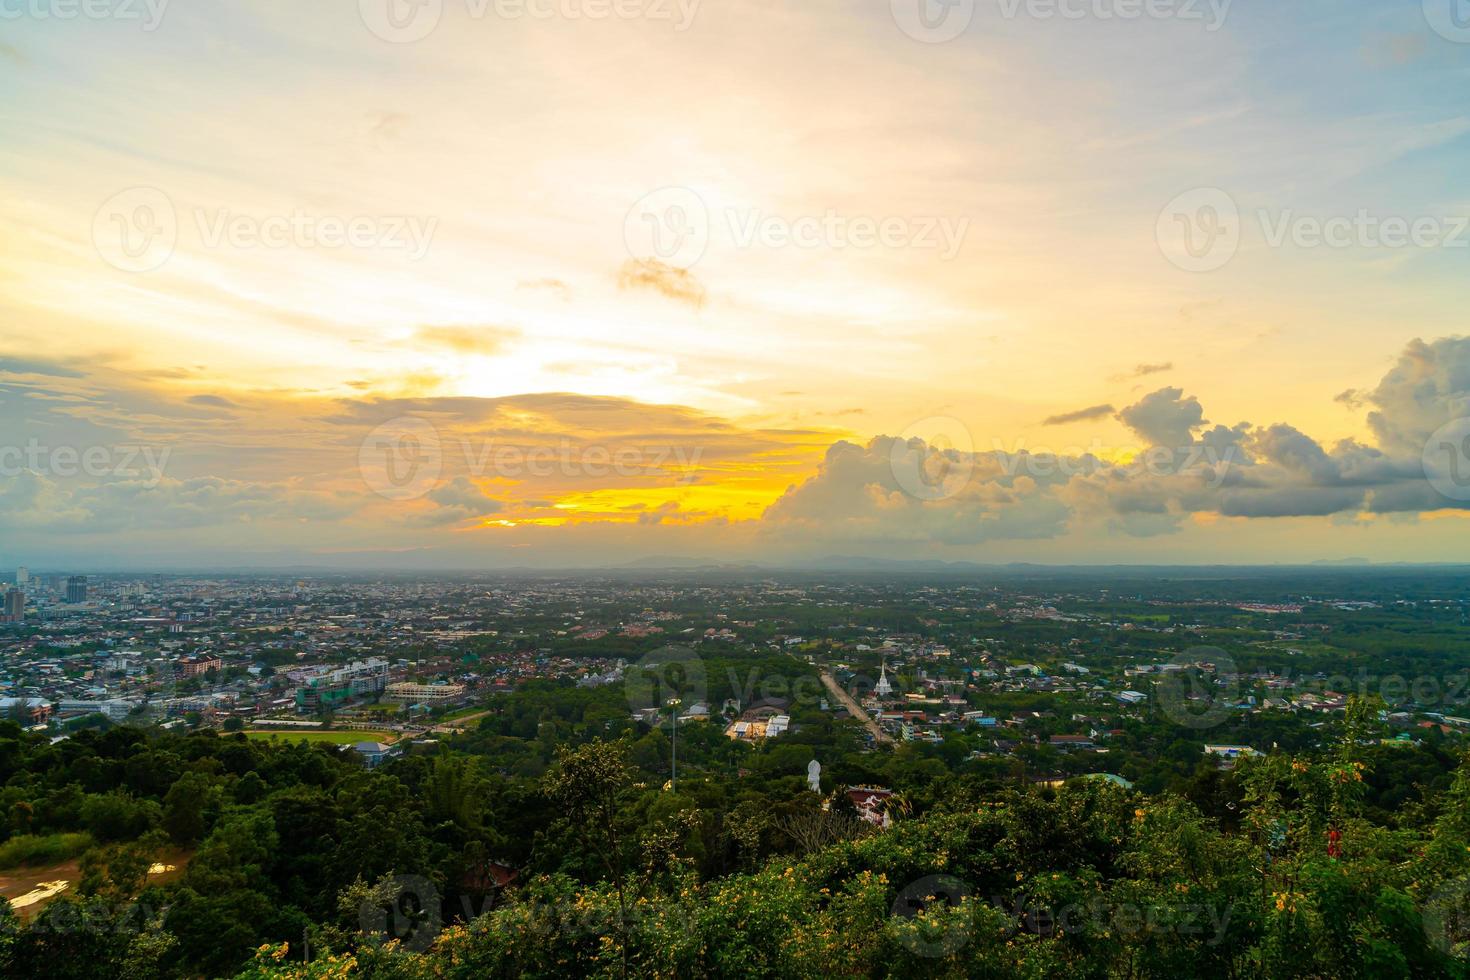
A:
x,y
899,804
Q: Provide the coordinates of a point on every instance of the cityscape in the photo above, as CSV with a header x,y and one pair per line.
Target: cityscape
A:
x,y
404,658
757,489
797,710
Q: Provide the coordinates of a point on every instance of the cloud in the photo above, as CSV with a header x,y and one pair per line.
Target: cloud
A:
x,y
481,340
556,287
1427,388
890,490
856,495
457,501
285,472
1142,371
679,285
669,510
12,364
31,500
382,128
1081,415
1165,417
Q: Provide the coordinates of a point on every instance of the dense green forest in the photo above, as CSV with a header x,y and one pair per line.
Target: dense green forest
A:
x,y
548,842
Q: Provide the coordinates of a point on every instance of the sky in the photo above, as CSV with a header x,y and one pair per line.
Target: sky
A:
x,y
495,283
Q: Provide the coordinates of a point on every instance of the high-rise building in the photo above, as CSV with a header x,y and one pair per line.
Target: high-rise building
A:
x,y
76,589
15,606
22,576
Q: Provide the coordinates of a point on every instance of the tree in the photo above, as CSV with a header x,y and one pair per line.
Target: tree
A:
x,y
454,792
184,808
588,783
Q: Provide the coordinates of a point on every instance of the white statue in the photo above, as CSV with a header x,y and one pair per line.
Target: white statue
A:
x,y
814,776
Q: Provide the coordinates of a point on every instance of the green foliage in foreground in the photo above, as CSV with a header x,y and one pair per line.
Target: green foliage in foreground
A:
x,y
300,863
42,849
1090,881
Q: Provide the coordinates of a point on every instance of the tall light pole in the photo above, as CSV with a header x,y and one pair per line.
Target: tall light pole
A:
x,y
674,755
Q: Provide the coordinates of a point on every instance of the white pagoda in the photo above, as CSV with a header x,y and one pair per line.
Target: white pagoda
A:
x,y
883,689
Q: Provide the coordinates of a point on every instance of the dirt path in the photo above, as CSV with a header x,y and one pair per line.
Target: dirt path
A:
x,y
459,725
854,708
29,888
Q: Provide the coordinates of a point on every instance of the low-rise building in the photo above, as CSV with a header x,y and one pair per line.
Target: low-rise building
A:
x,y
199,666
114,709
374,754
32,711
338,687
406,692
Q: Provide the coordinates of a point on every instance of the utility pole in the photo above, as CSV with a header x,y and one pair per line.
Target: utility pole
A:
x,y
674,754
